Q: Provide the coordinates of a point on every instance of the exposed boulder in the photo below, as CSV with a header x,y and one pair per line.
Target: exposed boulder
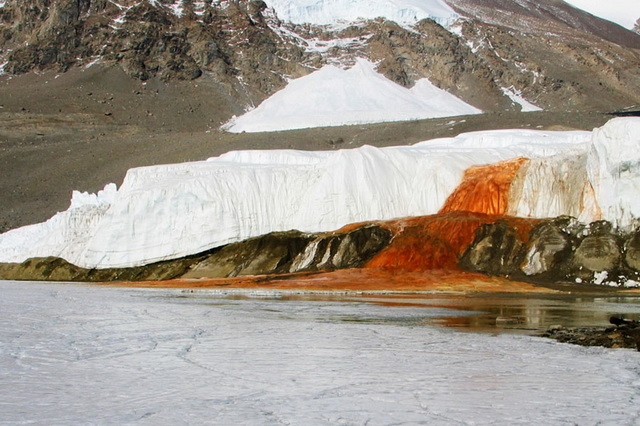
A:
x,y
549,246
623,334
599,251
557,250
269,253
497,250
632,250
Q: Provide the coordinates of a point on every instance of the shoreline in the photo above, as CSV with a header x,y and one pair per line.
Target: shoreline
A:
x,y
469,295
368,281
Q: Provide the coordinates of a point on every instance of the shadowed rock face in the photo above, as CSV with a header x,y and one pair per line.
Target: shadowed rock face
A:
x,y
600,251
276,253
57,269
556,250
497,250
293,251
548,245
632,251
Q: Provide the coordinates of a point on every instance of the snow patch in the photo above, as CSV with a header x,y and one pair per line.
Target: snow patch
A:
x,y
332,96
517,98
600,278
95,61
177,8
622,12
328,12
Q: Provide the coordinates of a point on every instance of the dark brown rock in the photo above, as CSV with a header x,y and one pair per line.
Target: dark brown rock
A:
x,y
549,247
600,251
496,250
56,269
279,252
556,250
632,251
271,253
624,334
293,251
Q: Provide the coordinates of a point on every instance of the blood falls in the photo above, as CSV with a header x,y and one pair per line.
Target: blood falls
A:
x,y
170,211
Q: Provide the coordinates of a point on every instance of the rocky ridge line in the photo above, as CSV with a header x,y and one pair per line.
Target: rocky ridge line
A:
x,y
248,50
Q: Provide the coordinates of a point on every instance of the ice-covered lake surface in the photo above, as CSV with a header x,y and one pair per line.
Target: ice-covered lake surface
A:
x,y
75,354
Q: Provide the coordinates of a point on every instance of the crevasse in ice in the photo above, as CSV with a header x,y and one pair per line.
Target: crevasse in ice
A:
x,y
169,211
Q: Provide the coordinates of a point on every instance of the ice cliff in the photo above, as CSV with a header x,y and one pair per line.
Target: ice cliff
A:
x,y
169,211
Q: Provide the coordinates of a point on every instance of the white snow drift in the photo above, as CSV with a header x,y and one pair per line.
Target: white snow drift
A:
x,y
169,211
328,12
332,96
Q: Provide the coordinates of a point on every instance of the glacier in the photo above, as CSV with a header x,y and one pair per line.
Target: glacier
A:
x,y
332,96
169,211
330,12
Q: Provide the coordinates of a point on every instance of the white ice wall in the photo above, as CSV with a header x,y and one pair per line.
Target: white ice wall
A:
x,y
614,170
168,211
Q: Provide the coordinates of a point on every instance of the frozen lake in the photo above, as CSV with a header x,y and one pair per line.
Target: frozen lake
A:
x,y
74,354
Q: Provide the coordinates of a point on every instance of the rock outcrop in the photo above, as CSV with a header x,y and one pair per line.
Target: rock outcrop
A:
x,y
293,251
622,334
497,250
276,253
557,250
487,59
549,243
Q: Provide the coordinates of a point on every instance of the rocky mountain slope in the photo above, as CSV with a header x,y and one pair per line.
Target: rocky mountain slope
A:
x,y
552,54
